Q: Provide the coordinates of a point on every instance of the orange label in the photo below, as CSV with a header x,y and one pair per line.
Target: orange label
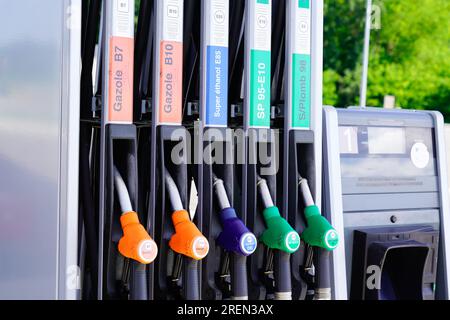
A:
x,y
121,56
170,82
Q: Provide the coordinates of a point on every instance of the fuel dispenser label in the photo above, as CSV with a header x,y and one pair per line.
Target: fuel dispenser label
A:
x,y
170,62
121,53
170,82
217,86
260,88
120,89
260,60
301,67
216,42
301,93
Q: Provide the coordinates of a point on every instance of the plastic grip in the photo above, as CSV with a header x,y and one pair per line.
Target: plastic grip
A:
x,y
136,243
319,232
187,239
236,237
279,233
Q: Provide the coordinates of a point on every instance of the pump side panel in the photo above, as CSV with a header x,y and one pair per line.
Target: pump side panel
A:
x,y
31,46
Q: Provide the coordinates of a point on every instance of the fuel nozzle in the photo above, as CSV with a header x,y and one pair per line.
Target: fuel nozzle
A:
x,y
279,233
319,232
136,243
187,239
235,237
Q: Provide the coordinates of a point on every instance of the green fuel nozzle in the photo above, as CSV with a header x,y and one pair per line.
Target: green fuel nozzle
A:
x,y
319,232
279,233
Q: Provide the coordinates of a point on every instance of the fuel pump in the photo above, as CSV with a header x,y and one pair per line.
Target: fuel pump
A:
x,y
124,246
302,102
251,115
386,193
224,270
177,275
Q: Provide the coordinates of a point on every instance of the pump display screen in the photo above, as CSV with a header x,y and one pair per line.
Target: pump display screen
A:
x,y
382,151
386,140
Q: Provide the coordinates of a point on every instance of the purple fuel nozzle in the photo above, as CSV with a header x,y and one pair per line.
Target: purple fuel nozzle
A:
x,y
236,237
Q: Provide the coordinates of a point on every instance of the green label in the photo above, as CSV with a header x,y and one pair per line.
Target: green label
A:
x,y
262,1
260,88
301,91
303,4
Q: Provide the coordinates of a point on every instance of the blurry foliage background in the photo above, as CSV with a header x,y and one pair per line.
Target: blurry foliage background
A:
x,y
409,56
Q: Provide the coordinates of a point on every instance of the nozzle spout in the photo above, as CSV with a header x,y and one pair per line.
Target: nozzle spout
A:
x,y
172,190
265,193
221,194
306,192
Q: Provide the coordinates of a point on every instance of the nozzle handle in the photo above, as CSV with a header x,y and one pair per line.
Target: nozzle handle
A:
x,y
279,233
323,274
235,236
187,239
239,277
282,274
319,232
136,243
191,282
138,281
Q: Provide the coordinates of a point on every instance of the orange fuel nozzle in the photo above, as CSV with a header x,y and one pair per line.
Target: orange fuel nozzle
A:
x,y
188,240
136,243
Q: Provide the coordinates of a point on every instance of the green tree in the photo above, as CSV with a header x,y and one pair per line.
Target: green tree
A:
x,y
343,41
410,54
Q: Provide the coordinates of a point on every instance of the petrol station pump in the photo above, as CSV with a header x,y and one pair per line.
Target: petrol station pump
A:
x,y
205,92
225,269
296,201
296,112
386,192
108,157
302,174
251,115
177,275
